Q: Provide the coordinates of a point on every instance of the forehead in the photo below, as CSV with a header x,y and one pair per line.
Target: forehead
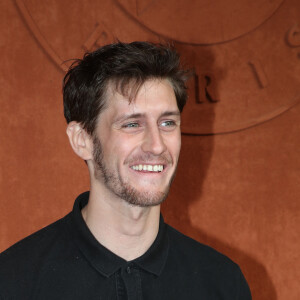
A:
x,y
155,96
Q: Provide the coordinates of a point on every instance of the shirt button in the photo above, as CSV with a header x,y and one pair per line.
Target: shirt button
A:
x,y
128,269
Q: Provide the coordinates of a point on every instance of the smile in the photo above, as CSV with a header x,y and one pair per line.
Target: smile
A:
x,y
148,168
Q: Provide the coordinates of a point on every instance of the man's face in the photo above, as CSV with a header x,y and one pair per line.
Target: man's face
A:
x,y
137,144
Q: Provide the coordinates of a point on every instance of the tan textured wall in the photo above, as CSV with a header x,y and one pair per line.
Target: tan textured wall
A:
x,y
237,190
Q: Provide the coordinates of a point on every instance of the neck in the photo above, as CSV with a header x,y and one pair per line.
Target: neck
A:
x,y
126,230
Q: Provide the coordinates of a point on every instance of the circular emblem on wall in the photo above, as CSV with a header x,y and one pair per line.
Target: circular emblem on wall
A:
x,y
247,67
201,21
245,54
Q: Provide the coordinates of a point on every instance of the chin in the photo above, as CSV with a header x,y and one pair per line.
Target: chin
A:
x,y
144,198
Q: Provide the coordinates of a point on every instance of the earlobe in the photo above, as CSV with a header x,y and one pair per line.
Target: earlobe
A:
x,y
80,140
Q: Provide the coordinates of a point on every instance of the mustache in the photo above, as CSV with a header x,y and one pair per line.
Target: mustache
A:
x,y
148,158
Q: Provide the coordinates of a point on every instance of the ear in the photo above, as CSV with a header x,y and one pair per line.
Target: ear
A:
x,y
80,140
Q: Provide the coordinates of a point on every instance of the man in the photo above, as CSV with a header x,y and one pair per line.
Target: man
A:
x,y
122,104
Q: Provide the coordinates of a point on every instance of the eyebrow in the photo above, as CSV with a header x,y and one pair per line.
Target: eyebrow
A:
x,y
170,113
142,115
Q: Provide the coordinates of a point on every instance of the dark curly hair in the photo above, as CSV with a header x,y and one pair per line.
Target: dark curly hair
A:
x,y
127,66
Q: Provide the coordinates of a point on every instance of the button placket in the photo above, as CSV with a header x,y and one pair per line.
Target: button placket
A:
x,y
132,281
128,270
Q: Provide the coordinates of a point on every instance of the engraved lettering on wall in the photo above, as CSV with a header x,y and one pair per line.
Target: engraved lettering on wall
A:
x,y
205,87
259,73
293,36
99,36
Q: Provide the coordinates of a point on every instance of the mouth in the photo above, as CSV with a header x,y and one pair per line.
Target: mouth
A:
x,y
148,168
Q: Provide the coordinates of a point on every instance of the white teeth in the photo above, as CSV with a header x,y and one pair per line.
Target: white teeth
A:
x,y
149,168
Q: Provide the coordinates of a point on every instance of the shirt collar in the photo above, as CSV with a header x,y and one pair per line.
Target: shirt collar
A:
x,y
105,261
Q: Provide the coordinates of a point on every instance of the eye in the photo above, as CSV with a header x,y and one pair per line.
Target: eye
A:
x,y
131,125
169,123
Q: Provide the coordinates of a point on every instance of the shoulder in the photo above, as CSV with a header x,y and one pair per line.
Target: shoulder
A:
x,y
34,242
24,259
195,251
202,266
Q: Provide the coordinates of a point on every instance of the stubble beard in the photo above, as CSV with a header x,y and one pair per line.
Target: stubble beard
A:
x,y
124,190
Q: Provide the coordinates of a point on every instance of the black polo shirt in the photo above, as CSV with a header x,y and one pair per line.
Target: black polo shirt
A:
x,y
65,261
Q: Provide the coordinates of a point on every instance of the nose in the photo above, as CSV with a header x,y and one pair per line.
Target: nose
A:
x,y
153,141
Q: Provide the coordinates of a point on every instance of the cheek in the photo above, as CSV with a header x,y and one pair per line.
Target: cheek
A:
x,y
176,143
173,145
121,148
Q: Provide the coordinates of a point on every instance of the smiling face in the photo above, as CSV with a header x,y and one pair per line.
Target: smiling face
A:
x,y
137,144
